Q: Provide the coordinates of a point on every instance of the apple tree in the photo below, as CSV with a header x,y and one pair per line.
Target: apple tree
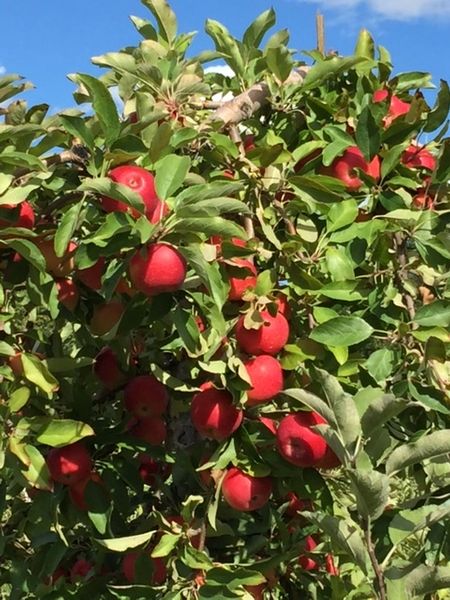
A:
x,y
224,325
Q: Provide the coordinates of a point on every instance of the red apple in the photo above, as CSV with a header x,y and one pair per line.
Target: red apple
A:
x,y
270,338
145,396
214,415
92,276
330,567
105,317
59,267
107,369
256,591
15,362
158,268
397,107
282,302
151,430
244,492
271,424
423,200
266,377
161,210
297,504
298,443
22,215
77,490
140,181
80,570
329,461
343,168
418,157
129,568
245,280
69,464
307,563
68,293
150,469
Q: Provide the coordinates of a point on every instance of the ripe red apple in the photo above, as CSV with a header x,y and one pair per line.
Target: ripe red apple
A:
x,y
418,157
397,107
59,267
266,377
129,568
77,490
271,424
69,464
107,369
423,200
137,179
22,215
161,210
307,563
68,293
92,276
80,569
151,430
282,302
214,415
248,141
158,268
217,241
145,396
245,280
244,492
330,566
298,443
270,338
105,317
297,504
150,469
343,168
329,461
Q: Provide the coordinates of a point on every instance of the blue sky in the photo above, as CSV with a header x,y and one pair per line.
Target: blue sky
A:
x,y
46,40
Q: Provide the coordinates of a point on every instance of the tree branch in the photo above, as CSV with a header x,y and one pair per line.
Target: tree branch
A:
x,y
246,104
399,243
375,564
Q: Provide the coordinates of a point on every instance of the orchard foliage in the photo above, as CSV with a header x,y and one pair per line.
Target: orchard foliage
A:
x,y
152,342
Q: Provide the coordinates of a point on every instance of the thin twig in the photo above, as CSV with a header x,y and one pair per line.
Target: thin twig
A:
x,y
399,242
375,564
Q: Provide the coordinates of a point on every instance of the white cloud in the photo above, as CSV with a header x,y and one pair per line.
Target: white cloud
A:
x,y
396,10
222,69
2,69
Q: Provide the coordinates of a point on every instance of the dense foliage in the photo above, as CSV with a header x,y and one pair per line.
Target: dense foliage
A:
x,y
147,450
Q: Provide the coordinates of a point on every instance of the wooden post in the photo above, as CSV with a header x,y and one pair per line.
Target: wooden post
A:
x,y
320,28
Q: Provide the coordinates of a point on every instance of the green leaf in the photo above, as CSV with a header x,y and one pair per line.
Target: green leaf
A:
x,y
371,489
37,372
380,364
37,473
342,331
18,398
66,228
341,214
171,172
329,68
339,264
409,522
365,45
165,545
255,32
314,403
106,187
103,105
407,81
226,44
382,408
436,314
211,226
122,544
439,114
368,136
61,432
428,446
65,363
17,195
279,61
345,534
76,126
28,251
164,15
343,407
